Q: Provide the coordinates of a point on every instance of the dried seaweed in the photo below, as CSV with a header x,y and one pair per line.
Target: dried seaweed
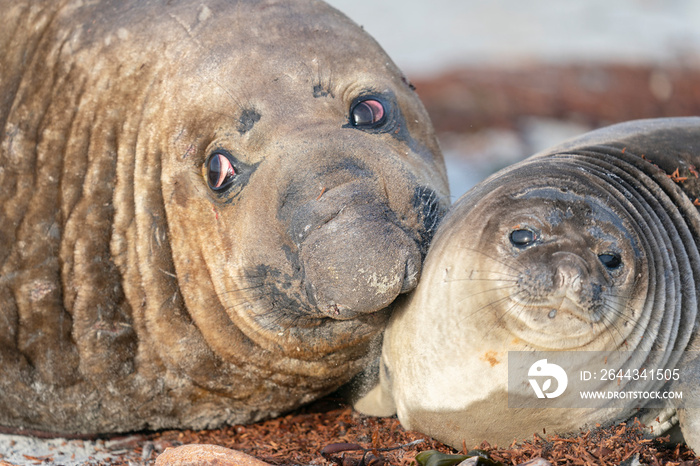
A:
x,y
330,433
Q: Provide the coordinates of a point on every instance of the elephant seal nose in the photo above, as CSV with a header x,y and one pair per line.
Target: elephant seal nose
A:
x,y
355,266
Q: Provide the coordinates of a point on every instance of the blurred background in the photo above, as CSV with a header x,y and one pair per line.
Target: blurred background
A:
x,y
503,79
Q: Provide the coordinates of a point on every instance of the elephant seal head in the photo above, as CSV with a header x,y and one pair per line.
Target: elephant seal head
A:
x,y
301,183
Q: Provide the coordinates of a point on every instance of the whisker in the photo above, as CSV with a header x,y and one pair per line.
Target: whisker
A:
x,y
495,259
490,304
490,290
471,277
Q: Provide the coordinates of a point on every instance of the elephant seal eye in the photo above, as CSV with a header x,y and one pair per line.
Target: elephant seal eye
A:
x,y
219,171
610,260
367,113
522,237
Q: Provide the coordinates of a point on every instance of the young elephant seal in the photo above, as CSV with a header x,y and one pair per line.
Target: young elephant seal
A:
x,y
586,248
205,208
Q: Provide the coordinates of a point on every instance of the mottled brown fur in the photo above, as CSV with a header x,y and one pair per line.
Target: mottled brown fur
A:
x,y
133,297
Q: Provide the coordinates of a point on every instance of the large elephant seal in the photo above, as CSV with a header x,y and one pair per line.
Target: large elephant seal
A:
x,y
205,209
588,251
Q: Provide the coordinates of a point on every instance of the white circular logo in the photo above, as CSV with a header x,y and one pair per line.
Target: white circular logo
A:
x,y
542,369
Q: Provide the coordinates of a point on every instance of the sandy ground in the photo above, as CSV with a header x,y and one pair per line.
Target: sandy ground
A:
x,y
21,450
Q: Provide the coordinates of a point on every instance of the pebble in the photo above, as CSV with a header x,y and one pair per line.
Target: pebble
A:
x,y
536,462
206,455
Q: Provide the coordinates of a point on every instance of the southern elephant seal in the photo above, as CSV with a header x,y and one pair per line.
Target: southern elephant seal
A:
x,y
588,251
205,209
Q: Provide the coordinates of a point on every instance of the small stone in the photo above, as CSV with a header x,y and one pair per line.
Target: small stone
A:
x,y
206,455
536,462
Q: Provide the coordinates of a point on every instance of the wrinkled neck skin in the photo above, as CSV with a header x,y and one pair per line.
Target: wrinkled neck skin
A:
x,y
227,283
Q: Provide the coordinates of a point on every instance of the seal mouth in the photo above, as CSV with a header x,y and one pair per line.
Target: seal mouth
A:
x,y
543,324
338,312
546,314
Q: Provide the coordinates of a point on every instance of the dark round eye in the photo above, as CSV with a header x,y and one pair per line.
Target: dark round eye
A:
x,y
368,112
522,237
610,260
220,172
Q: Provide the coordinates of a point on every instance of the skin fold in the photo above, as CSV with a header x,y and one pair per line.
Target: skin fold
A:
x,y
206,209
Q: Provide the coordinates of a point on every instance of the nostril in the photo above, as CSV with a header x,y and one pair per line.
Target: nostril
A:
x,y
569,277
576,283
